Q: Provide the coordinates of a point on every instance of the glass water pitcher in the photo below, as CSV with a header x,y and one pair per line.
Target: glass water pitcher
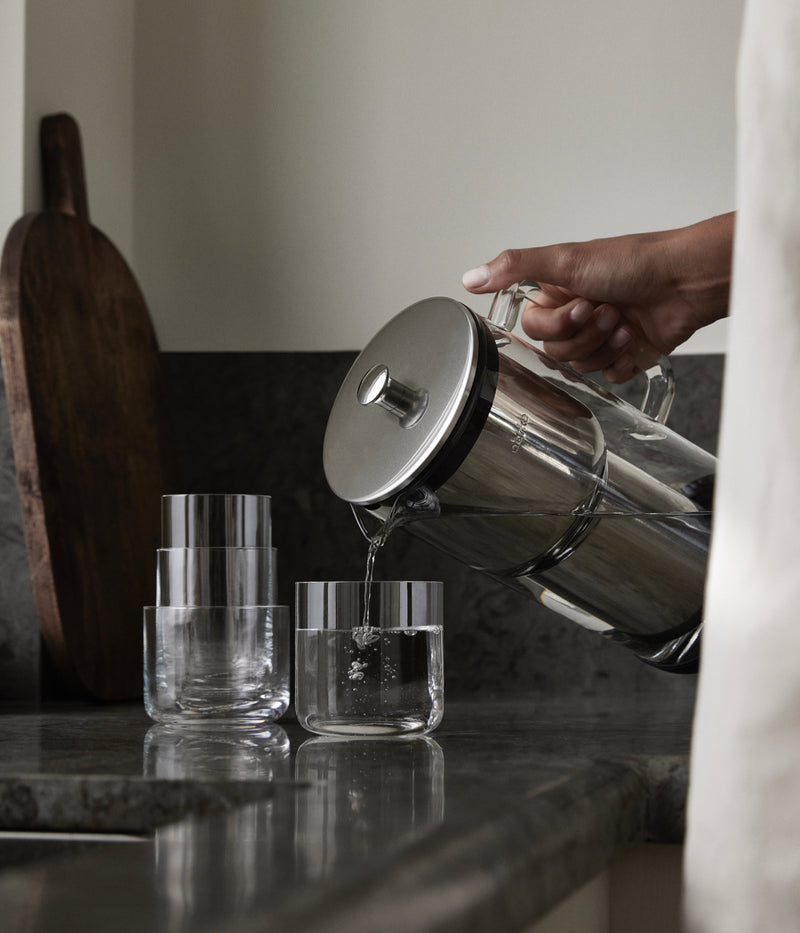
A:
x,y
478,442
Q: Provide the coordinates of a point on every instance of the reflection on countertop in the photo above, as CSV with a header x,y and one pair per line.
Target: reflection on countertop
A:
x,y
365,797
225,754
508,807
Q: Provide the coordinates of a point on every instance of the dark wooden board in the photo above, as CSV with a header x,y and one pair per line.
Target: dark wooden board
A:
x,y
93,446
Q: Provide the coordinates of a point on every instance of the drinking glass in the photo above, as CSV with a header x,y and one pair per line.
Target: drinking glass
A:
x,y
369,658
216,576
216,520
216,663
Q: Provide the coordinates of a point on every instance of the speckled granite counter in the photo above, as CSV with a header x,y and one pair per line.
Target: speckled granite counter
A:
x,y
507,808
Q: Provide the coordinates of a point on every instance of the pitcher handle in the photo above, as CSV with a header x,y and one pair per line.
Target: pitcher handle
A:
x,y
660,389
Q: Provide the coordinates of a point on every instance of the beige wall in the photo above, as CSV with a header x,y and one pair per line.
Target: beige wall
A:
x,y
12,105
307,168
288,174
79,58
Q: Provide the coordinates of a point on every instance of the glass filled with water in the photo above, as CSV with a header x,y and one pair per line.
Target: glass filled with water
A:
x,y
369,657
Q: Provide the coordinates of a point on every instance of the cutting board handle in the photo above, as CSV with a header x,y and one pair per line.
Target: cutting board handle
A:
x,y
63,177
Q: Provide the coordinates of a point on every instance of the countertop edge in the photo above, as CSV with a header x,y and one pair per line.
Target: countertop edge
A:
x,y
500,874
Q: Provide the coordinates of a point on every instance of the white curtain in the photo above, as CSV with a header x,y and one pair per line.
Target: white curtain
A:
x,y
742,866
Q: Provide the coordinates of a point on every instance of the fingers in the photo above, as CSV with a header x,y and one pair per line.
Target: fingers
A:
x,y
588,336
540,264
638,357
558,322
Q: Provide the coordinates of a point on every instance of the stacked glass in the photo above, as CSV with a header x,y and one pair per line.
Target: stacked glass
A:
x,y
216,644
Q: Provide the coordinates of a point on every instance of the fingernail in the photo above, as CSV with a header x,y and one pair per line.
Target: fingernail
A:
x,y
581,312
475,278
607,319
620,338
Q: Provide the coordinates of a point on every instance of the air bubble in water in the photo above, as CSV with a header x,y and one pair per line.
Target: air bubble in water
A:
x,y
356,670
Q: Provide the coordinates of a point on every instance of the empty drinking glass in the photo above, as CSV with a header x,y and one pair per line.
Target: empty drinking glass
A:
x,y
216,520
217,663
216,576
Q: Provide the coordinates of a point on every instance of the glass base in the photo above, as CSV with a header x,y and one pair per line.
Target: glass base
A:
x,y
221,718
370,727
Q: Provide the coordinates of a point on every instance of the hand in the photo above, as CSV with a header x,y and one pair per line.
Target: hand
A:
x,y
617,304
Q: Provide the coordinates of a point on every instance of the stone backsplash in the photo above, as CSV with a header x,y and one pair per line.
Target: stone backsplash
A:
x,y
254,422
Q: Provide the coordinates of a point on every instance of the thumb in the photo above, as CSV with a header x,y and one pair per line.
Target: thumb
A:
x,y
539,264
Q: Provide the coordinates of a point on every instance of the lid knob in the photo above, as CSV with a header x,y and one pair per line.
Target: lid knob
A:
x,y
378,388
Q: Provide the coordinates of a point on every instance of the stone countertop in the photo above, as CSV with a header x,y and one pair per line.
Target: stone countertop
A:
x,y
484,825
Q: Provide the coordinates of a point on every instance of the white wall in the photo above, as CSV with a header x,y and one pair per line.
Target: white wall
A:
x,y
288,174
307,168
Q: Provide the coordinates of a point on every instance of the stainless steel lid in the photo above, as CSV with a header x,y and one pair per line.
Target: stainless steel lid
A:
x,y
401,401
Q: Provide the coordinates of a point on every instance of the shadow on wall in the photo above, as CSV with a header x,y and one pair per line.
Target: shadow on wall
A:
x,y
254,422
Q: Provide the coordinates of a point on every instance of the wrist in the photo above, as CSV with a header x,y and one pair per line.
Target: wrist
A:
x,y
700,259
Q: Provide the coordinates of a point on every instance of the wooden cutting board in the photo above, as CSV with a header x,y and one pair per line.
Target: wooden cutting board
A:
x,y
93,446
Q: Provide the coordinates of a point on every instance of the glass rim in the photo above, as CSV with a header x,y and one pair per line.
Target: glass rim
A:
x,y
215,495
378,627
372,582
217,547
227,607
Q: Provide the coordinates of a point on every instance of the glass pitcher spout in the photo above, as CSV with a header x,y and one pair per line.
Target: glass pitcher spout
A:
x,y
420,503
